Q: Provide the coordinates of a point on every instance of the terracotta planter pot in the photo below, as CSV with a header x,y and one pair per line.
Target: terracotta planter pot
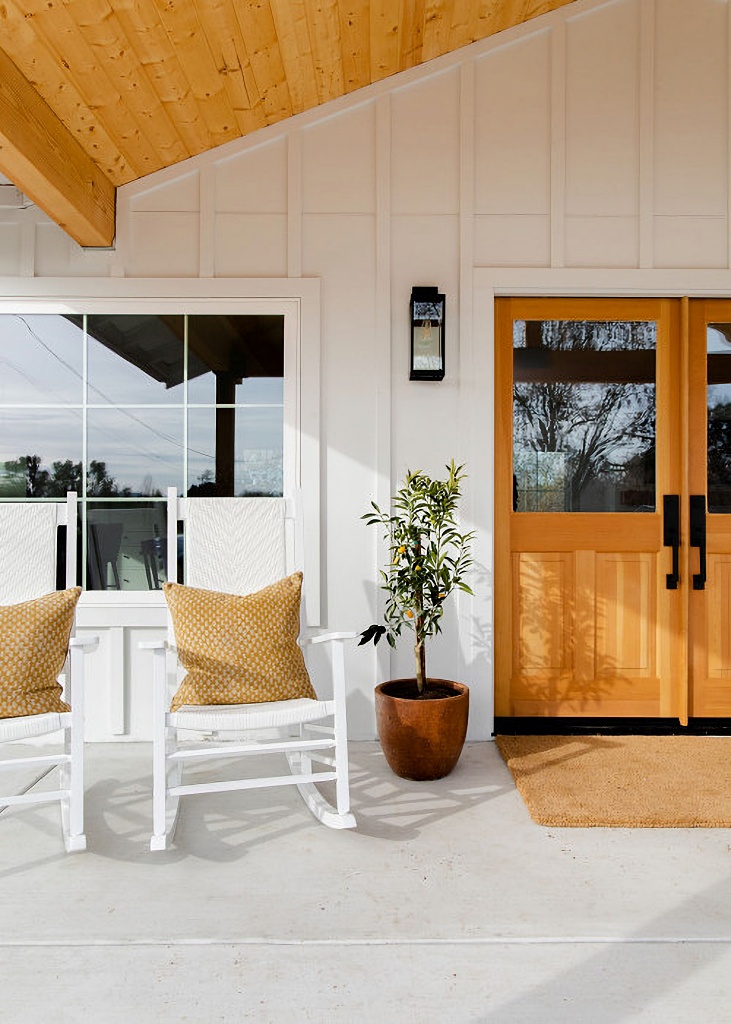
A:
x,y
422,738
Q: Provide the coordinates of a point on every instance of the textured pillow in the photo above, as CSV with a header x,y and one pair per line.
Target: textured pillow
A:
x,y
239,650
34,639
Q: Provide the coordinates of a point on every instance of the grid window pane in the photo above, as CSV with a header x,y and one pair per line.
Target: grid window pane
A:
x,y
134,452
135,359
40,452
41,359
227,353
125,546
238,450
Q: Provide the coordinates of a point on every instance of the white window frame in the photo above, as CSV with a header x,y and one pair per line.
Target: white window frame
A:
x,y
297,300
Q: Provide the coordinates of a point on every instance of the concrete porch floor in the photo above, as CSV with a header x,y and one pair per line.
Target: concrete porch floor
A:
x,y
448,904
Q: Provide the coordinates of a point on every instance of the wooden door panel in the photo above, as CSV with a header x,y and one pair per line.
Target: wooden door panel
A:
x,y
564,698
543,585
595,531
589,628
709,609
585,636
626,614
713,702
718,635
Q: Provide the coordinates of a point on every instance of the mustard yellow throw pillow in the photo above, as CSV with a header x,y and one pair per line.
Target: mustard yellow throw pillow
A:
x,y
239,650
34,640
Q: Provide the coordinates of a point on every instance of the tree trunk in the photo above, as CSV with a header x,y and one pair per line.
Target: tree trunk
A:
x,y
420,658
419,649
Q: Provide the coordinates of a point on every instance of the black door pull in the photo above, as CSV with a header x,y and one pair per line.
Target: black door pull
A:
x,y
671,535
698,537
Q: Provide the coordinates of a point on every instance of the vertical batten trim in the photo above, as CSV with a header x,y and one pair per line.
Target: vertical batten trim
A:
x,y
465,364
294,203
482,474
28,243
186,423
466,207
121,234
383,348
207,220
115,675
558,144
646,130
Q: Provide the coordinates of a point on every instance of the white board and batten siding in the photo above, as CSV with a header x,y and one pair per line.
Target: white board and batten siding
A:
x,y
584,152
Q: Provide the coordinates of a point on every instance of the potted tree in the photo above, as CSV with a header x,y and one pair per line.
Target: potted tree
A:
x,y
422,721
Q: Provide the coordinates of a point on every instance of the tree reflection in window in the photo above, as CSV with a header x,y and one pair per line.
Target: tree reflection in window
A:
x,y
27,477
584,416
718,346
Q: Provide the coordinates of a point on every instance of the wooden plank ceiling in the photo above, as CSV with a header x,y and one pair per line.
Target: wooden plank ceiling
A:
x,y
96,93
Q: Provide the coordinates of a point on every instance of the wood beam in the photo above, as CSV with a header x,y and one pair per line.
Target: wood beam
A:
x,y
47,163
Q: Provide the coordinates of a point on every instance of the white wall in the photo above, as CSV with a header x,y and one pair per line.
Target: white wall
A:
x,y
594,138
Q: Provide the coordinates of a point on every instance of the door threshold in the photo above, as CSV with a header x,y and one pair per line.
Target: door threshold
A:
x,y
543,726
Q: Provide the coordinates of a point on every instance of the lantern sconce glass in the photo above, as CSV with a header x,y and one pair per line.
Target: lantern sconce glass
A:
x,y
427,334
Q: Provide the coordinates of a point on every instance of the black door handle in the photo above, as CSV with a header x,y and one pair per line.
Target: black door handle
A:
x,y
698,537
671,535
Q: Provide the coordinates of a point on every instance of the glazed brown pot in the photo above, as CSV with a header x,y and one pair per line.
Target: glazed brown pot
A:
x,y
422,738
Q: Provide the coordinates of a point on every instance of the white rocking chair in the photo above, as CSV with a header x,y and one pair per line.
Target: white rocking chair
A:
x,y
28,555
239,546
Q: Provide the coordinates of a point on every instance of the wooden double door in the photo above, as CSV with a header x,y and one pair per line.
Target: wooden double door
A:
x,y
613,508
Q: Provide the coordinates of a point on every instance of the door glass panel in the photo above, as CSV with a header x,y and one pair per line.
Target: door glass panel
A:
x,y
718,348
584,416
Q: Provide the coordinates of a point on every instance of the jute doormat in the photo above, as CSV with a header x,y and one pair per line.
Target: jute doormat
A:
x,y
622,781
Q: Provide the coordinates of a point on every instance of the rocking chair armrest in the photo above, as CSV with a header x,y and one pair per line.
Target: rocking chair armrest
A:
x,y
328,638
155,645
85,642
337,665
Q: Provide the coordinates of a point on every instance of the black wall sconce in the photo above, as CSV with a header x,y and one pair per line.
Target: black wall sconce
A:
x,y
427,334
